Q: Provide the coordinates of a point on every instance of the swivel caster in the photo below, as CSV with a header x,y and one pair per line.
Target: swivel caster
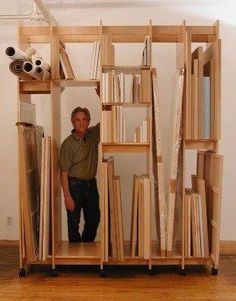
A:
x,y
54,273
182,272
102,273
151,272
21,272
214,271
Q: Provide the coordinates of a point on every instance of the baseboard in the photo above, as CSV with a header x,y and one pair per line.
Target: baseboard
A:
x,y
227,247
6,242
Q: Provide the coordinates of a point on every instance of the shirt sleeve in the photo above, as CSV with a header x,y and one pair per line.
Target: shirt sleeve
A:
x,y
95,130
97,127
64,158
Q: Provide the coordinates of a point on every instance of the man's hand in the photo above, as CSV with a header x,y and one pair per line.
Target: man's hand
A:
x,y
70,204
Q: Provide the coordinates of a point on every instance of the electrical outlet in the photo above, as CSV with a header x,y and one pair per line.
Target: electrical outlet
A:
x,y
9,220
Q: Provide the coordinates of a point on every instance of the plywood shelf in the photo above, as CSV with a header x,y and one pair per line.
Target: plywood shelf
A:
x,y
203,144
125,69
175,257
78,250
35,87
125,147
79,83
128,259
126,104
120,34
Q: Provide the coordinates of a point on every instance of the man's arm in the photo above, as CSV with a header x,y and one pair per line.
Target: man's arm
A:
x,y
69,202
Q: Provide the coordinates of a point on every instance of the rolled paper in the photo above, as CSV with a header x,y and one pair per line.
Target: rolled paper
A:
x,y
40,63
31,69
46,74
39,70
16,67
29,52
36,56
15,53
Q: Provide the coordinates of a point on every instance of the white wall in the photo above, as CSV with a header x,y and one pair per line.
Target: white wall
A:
x,y
117,13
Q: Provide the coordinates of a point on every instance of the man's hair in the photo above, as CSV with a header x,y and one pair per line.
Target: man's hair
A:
x,y
79,109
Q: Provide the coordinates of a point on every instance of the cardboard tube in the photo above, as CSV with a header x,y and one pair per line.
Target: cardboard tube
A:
x,y
40,63
31,69
29,52
16,67
15,53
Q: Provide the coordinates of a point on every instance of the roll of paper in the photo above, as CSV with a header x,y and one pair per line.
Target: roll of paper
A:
x,y
40,63
15,53
36,56
43,73
31,69
46,74
16,67
30,52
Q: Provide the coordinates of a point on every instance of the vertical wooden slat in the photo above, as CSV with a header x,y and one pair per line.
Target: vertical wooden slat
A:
x,y
107,51
55,174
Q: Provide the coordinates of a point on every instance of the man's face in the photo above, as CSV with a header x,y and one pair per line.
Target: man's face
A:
x,y
80,122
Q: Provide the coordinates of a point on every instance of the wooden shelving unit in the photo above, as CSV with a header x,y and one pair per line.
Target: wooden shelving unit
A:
x,y
35,87
125,147
79,83
183,36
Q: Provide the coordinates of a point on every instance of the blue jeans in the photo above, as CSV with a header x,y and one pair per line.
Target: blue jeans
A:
x,y
86,197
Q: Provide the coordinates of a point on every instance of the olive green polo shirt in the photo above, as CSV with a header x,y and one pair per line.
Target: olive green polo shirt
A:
x,y
80,156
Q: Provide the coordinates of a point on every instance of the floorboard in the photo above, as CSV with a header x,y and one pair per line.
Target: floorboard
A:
x,y
81,283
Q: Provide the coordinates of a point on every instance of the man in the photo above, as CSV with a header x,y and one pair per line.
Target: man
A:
x,y
78,165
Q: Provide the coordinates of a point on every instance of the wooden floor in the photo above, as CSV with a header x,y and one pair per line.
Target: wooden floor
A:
x,y
82,283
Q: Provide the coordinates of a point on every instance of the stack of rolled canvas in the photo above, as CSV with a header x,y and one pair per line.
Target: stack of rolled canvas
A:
x,y
27,65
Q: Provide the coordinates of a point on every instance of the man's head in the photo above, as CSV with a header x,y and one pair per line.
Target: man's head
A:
x,y
80,118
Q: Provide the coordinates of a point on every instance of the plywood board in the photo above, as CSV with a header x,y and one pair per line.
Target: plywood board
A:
x,y
161,209
198,185
146,217
112,208
30,190
134,217
176,142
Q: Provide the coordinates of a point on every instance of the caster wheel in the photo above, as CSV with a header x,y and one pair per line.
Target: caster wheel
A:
x,y
21,272
214,271
54,273
102,273
151,272
182,272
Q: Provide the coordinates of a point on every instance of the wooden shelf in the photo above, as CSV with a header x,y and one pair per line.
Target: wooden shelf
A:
x,y
125,147
155,252
120,34
128,259
125,69
35,87
78,250
79,83
126,104
203,144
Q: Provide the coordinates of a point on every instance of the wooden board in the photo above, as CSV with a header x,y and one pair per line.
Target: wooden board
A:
x,y
161,214
47,200
147,217
176,142
213,167
134,217
119,218
140,218
113,247
42,182
198,185
66,65
29,190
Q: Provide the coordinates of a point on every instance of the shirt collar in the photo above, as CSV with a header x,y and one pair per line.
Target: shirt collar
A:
x,y
78,138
